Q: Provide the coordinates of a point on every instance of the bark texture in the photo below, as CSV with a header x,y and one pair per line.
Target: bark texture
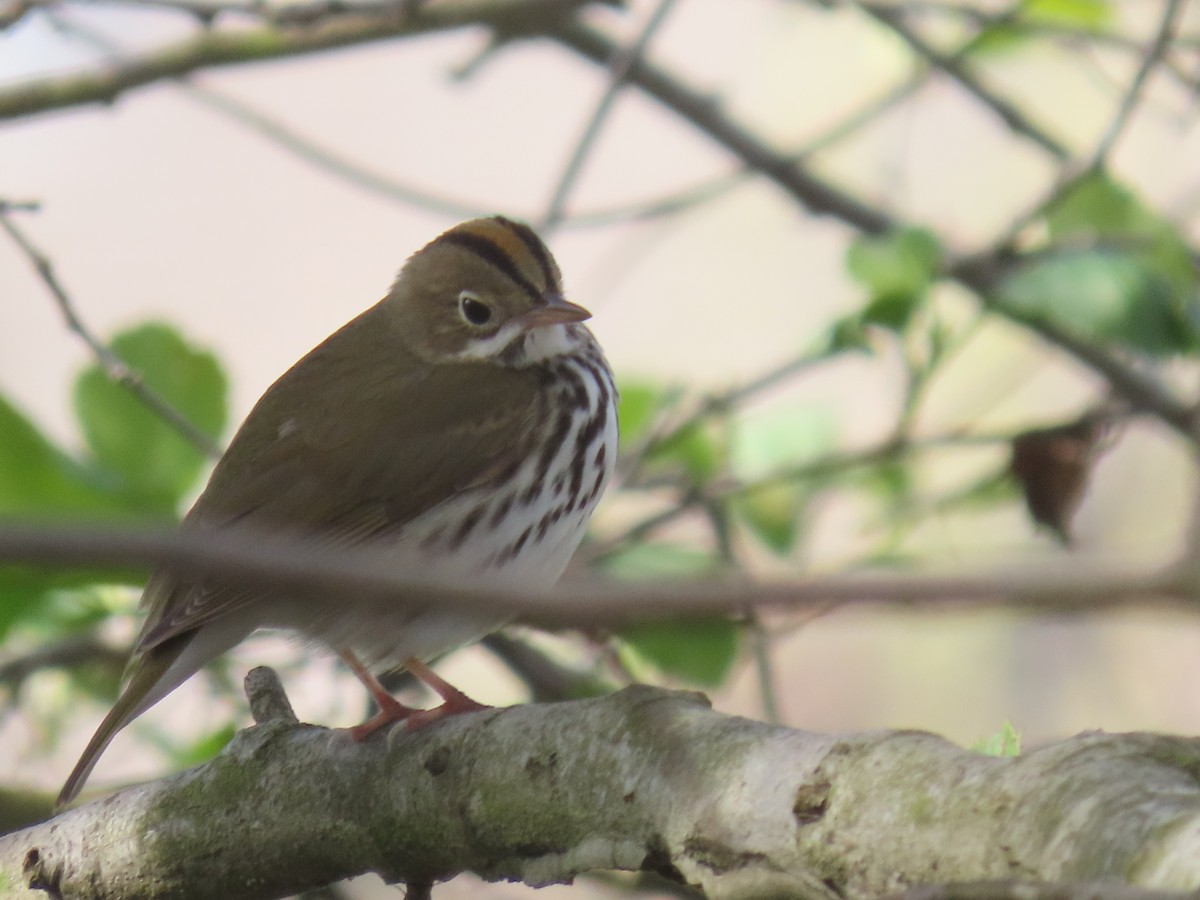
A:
x,y
642,779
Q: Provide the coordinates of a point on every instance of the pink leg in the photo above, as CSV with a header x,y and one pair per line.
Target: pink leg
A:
x,y
390,709
454,701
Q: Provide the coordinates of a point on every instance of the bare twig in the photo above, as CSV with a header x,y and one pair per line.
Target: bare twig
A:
x,y
387,20
981,273
114,367
369,575
331,162
76,650
699,109
1153,56
893,18
546,679
822,467
764,669
619,67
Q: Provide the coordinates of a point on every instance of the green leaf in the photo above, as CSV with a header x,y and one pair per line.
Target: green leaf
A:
x,y
1005,742
766,445
39,481
699,447
153,463
1087,15
698,651
1018,29
1098,210
845,335
657,560
18,602
998,37
638,403
897,269
772,513
891,482
989,491
1103,295
1096,205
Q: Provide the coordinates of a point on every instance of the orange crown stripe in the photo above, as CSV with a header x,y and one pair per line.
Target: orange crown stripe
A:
x,y
508,242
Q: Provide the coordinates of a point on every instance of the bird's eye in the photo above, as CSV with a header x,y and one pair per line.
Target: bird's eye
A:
x,y
473,309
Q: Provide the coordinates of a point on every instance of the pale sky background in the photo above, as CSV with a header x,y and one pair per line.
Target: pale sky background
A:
x,y
160,207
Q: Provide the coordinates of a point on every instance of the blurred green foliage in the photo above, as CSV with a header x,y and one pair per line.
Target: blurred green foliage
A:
x,y
1005,742
135,468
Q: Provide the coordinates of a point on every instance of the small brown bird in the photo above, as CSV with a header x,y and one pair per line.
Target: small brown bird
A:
x,y
466,423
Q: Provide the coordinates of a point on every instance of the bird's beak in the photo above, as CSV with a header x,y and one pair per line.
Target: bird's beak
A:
x,y
557,311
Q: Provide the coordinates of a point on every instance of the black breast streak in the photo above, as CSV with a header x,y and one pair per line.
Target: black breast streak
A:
x,y
550,518
579,394
502,509
590,431
467,525
596,485
433,537
600,373
510,552
555,439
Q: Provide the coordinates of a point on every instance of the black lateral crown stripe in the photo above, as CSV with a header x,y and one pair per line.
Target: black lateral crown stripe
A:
x,y
530,239
492,253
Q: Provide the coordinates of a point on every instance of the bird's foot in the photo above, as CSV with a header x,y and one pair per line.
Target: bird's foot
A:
x,y
454,701
453,706
390,710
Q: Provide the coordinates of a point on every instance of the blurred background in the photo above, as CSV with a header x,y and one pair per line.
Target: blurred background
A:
x,y
831,249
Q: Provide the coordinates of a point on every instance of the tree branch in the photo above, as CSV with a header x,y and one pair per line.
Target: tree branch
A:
x,y
981,273
213,49
115,368
618,68
892,17
1153,56
309,567
644,779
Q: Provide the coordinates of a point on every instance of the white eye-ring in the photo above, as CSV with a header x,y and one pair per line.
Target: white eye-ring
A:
x,y
473,310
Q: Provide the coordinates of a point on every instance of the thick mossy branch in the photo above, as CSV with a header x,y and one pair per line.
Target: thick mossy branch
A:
x,y
641,779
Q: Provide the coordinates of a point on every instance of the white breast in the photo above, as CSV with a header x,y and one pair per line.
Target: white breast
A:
x,y
523,534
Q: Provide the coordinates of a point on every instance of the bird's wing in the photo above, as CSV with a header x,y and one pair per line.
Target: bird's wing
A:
x,y
354,441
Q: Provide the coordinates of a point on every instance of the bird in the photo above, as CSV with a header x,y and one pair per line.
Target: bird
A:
x,y
465,425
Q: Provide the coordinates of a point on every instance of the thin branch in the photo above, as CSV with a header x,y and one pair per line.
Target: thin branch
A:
x,y
1017,121
761,641
329,161
71,652
546,679
1153,56
981,273
694,497
703,112
369,576
213,49
619,67
114,367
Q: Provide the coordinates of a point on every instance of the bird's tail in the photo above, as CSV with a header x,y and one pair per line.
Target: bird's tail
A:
x,y
145,688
